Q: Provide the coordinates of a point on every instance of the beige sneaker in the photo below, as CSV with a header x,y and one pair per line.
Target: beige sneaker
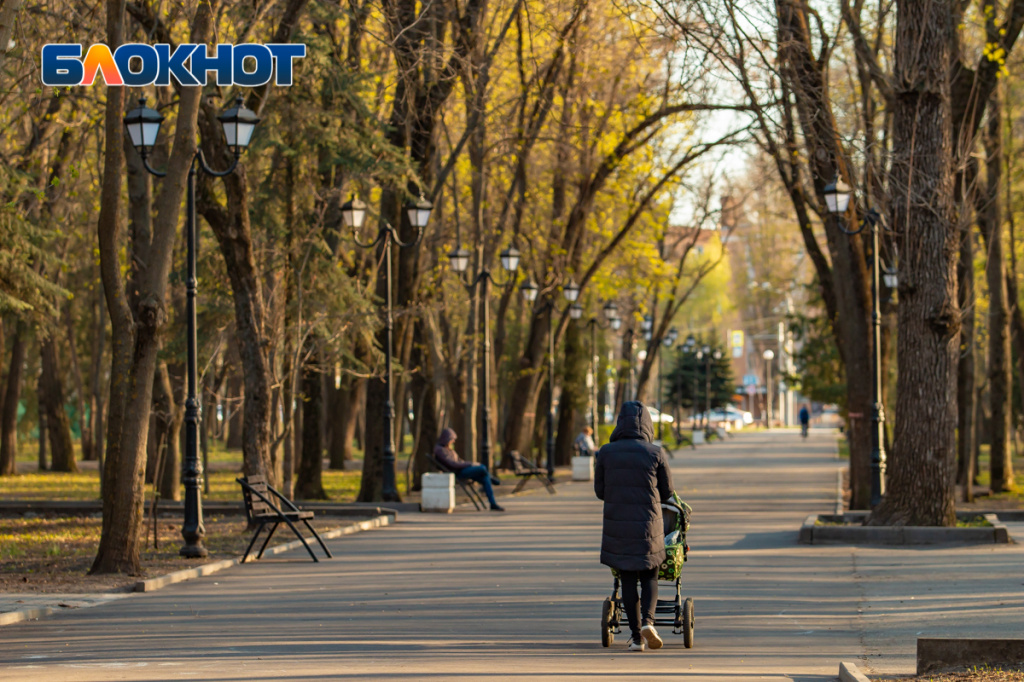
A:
x,y
650,636
636,644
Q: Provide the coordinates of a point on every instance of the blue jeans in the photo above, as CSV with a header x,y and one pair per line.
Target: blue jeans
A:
x,y
479,473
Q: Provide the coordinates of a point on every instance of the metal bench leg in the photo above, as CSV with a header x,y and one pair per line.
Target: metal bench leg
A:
x,y
251,543
299,536
318,539
547,484
522,483
267,541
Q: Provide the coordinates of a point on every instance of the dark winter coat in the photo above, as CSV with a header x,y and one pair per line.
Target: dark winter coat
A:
x,y
632,476
444,453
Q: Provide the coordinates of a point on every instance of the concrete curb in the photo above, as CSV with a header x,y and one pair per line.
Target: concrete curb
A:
x,y
813,534
159,582
153,584
849,672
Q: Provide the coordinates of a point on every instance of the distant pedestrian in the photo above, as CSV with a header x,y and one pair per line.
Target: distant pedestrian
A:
x,y
633,478
805,419
445,454
584,443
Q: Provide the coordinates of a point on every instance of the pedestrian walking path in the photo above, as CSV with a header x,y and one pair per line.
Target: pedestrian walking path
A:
x,y
518,596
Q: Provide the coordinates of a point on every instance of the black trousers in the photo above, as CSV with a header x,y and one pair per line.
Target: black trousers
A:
x,y
639,607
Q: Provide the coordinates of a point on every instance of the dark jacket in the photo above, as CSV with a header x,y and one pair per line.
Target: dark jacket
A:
x,y
445,455
632,477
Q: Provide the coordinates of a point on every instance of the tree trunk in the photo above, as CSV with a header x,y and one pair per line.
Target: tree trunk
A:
x,y
966,428
170,416
309,483
523,409
574,393
12,396
1000,376
346,406
84,423
96,402
62,448
922,476
235,399
43,431
136,332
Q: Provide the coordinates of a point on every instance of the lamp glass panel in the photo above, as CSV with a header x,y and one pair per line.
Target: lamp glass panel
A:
x,y
149,134
136,134
529,291
230,132
571,291
611,311
891,279
244,133
575,311
616,324
510,260
353,213
459,259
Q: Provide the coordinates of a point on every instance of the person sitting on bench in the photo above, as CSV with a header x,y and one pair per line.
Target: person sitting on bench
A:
x,y
445,455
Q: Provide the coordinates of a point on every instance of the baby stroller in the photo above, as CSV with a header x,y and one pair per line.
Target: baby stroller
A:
x,y
676,612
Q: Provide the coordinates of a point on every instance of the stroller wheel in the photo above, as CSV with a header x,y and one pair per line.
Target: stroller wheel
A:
x,y
688,623
607,614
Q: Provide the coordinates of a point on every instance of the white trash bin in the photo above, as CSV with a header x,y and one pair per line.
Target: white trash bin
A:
x,y
583,468
438,493
698,436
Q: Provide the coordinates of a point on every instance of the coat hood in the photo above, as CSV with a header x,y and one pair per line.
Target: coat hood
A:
x,y
634,423
447,436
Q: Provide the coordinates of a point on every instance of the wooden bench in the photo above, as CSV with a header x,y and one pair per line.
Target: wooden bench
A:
x,y
468,487
525,470
262,511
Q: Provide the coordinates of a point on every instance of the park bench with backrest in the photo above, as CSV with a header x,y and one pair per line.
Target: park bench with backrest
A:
x,y
262,511
468,487
525,470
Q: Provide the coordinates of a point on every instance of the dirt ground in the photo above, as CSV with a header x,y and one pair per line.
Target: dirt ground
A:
x,y
975,675
50,554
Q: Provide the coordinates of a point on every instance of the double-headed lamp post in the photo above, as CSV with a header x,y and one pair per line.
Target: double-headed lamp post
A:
x,y
768,355
459,260
837,199
571,291
143,126
353,213
614,322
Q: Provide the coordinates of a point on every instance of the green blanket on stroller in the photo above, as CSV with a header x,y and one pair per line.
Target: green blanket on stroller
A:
x,y
676,516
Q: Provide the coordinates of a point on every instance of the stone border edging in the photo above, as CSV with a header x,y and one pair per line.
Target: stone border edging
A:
x,y
849,672
153,584
813,534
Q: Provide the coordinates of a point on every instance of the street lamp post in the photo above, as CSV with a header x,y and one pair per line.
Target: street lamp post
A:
x,y
143,126
611,315
353,213
769,355
459,260
571,291
837,199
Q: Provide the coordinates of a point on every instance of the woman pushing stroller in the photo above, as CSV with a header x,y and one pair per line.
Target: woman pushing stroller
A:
x,y
632,476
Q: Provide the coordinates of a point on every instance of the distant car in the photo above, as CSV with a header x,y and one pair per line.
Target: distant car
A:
x,y
734,417
657,416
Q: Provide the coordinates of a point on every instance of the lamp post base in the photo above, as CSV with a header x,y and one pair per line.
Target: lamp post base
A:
x,y
194,550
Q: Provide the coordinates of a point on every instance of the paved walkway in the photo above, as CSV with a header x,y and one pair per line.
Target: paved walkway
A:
x,y
517,596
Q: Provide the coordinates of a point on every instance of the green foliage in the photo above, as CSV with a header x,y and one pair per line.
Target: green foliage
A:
x,y
22,253
820,374
688,380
